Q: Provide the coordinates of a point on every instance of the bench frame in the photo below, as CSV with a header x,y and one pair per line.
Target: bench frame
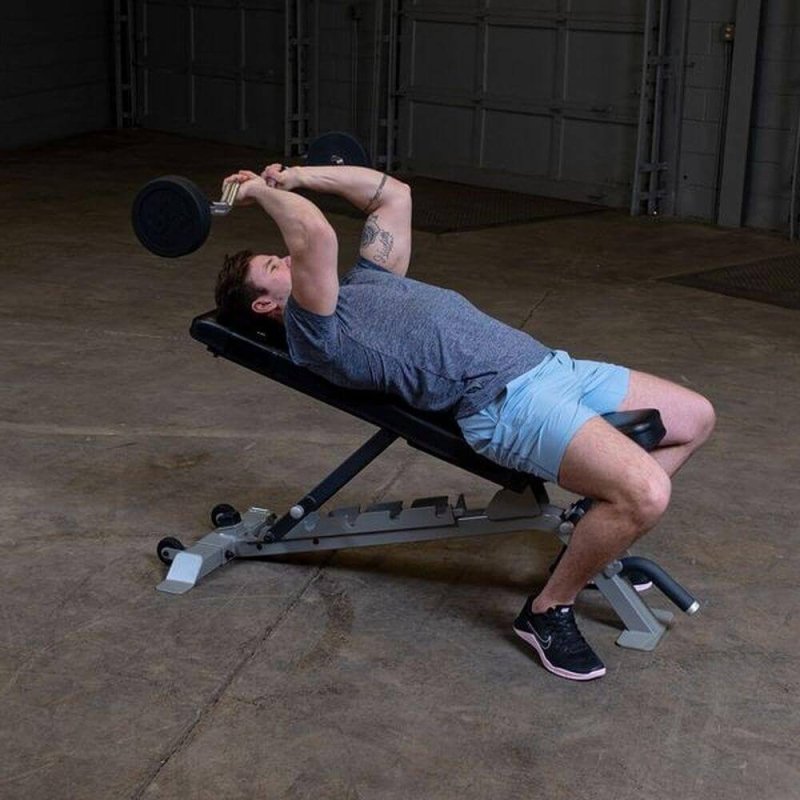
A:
x,y
521,504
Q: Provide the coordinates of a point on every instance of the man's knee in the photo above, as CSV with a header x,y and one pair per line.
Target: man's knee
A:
x,y
645,496
705,420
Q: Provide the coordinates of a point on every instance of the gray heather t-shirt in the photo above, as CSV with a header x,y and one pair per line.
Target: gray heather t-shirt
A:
x,y
428,345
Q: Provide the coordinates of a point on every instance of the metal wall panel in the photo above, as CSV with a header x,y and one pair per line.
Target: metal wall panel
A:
x,y
55,70
598,152
535,95
340,40
603,68
212,68
444,57
166,28
427,126
521,63
353,69
507,142
612,9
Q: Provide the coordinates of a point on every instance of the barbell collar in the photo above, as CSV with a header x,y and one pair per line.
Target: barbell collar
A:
x,y
219,208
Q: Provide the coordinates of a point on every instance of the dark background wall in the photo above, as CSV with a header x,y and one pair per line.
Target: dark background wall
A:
x,y
347,58
707,57
535,95
539,96
55,69
776,106
212,68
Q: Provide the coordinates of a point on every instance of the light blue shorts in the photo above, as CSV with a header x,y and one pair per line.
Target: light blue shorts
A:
x,y
531,422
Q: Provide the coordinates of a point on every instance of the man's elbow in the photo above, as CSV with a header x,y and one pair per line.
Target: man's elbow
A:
x,y
400,190
312,233
397,194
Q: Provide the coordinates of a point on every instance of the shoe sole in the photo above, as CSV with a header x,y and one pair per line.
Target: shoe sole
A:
x,y
530,639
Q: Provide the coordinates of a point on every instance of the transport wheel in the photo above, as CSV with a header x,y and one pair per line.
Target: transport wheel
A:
x,y
224,514
168,542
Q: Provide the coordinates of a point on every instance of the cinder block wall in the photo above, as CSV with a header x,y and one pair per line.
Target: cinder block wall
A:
x,y
776,105
56,62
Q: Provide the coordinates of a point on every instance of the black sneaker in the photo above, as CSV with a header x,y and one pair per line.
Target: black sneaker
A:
x,y
637,580
560,645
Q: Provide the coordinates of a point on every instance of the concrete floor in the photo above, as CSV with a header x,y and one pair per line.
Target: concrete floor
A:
x,y
380,673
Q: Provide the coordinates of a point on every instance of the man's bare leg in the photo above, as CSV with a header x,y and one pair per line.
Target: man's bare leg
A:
x,y
688,417
629,493
630,489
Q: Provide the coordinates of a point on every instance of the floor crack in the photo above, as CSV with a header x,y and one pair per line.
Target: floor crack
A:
x,y
218,693
533,310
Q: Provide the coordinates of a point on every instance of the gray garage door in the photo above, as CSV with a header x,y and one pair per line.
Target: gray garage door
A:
x,y
212,68
535,95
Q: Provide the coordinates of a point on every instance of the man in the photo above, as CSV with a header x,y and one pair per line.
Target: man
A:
x,y
517,401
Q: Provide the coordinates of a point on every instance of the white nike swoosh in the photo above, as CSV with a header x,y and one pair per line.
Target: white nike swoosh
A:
x,y
544,642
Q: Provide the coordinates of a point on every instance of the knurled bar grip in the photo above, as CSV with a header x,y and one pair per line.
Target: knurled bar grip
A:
x,y
229,193
225,205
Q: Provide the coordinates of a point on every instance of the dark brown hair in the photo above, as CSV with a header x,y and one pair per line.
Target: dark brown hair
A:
x,y
234,293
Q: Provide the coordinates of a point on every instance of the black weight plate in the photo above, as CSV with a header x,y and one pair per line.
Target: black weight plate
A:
x,y
171,216
325,150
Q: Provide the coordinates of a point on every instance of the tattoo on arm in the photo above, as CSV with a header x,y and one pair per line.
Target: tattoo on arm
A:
x,y
377,240
375,199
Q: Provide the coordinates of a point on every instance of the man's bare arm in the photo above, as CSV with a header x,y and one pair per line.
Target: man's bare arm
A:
x,y
386,238
310,239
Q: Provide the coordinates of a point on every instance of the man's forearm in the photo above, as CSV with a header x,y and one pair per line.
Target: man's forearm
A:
x,y
365,188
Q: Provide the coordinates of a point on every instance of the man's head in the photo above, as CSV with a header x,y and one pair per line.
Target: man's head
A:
x,y
253,289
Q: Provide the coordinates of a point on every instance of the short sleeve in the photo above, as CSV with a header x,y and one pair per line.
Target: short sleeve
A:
x,y
312,338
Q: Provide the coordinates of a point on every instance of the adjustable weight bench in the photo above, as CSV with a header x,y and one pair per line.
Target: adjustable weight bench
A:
x,y
521,502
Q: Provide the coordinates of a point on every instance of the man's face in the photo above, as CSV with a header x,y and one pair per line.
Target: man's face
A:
x,y
273,277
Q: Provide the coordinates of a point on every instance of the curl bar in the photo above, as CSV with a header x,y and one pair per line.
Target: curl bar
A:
x,y
172,217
